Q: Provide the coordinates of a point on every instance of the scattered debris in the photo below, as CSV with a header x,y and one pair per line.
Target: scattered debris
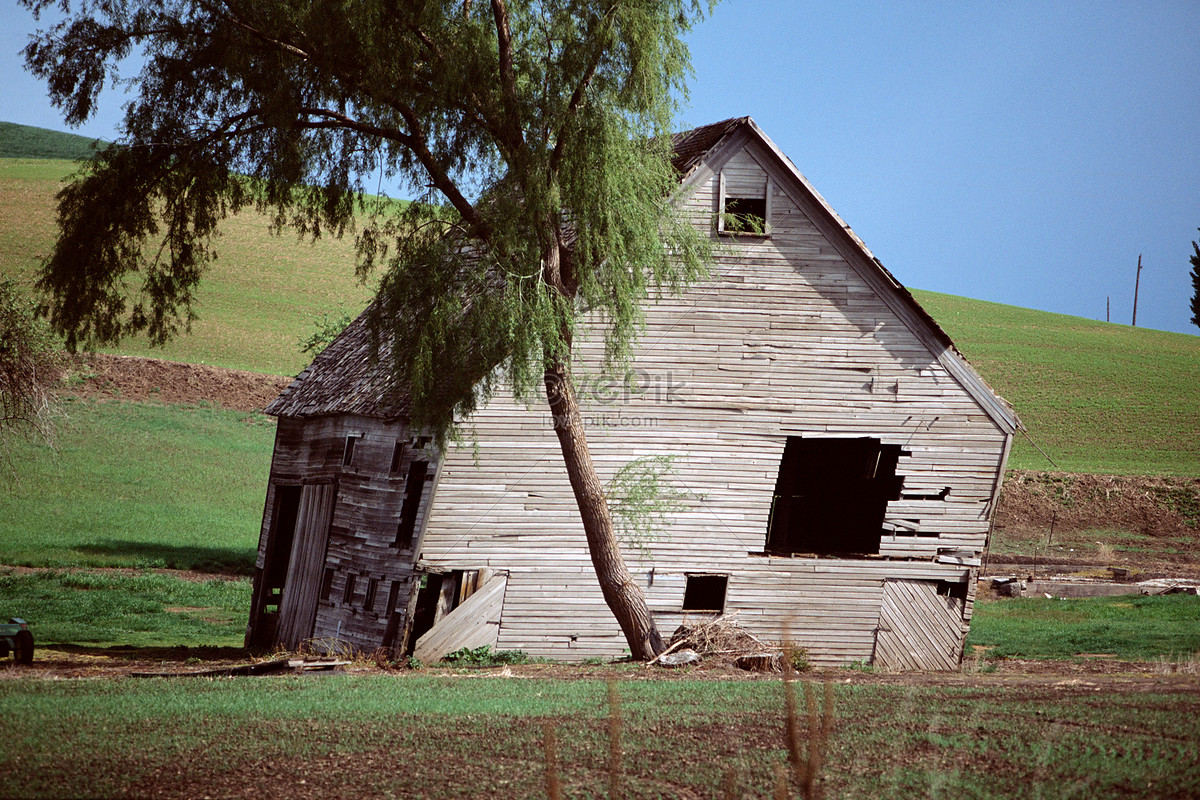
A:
x,y
680,658
719,637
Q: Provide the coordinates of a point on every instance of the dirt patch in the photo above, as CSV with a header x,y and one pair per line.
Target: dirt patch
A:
x,y
1070,522
101,376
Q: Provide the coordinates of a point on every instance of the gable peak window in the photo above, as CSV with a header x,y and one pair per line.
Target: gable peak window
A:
x,y
744,204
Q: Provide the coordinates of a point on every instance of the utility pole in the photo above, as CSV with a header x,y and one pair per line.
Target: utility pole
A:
x,y
1136,284
1108,309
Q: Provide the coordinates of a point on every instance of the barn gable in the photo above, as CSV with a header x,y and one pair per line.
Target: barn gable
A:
x,y
836,460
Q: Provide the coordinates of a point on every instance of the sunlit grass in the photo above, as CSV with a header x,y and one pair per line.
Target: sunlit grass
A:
x,y
135,484
1096,397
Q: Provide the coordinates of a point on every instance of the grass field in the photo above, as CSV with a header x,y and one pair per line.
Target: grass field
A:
x,y
1097,397
463,735
140,485
261,298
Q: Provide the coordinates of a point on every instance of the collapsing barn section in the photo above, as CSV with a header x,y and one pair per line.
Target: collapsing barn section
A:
x,y
838,461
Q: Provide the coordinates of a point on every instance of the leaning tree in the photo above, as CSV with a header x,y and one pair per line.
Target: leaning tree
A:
x,y
533,130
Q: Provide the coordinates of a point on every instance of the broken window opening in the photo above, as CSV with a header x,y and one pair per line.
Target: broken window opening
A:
x,y
831,496
413,489
397,458
705,593
953,589
348,592
927,494
369,598
744,208
327,583
348,452
745,215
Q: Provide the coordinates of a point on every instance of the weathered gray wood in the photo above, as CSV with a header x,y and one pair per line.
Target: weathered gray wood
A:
x,y
475,623
802,334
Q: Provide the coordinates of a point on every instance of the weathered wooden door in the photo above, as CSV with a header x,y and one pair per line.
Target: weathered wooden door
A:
x,y
298,606
918,628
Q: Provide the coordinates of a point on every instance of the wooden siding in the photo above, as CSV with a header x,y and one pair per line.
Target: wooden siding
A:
x,y
474,623
785,339
362,531
918,628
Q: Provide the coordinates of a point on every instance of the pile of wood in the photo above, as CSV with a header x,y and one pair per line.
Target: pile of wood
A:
x,y
721,639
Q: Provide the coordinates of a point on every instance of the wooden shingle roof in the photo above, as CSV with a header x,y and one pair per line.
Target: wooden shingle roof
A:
x,y
348,377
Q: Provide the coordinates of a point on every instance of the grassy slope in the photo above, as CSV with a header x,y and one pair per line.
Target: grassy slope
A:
x,y
24,141
1096,397
260,299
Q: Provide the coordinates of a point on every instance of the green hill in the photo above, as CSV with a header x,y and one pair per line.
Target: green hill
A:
x,y
24,141
1096,397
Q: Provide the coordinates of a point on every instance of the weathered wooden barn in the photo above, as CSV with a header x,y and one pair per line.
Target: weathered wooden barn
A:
x,y
839,459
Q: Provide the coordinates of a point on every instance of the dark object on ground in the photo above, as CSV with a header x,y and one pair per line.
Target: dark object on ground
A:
x,y
260,668
15,638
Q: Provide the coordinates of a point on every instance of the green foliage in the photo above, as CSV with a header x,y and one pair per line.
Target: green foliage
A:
x,y
1096,397
643,499
1127,627
551,113
329,327
484,656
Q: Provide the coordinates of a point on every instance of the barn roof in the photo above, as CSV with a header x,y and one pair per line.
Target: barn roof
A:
x,y
351,377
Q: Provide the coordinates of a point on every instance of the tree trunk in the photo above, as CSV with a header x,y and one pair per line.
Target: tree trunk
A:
x,y
622,594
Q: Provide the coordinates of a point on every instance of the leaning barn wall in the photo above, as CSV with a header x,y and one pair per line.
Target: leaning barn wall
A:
x,y
366,575
787,338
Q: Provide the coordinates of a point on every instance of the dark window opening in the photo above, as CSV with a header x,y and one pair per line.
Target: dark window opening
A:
x,y
705,593
831,496
283,533
369,599
393,596
745,215
327,583
397,458
348,592
348,453
956,590
422,441
412,501
927,494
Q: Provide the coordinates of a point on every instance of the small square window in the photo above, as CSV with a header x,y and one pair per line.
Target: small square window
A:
x,y
744,209
705,593
745,215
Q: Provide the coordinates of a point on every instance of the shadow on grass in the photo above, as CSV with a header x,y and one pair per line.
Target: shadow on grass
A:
x,y
176,654
217,560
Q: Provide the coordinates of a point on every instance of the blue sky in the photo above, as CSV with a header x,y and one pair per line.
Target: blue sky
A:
x,y
1020,152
